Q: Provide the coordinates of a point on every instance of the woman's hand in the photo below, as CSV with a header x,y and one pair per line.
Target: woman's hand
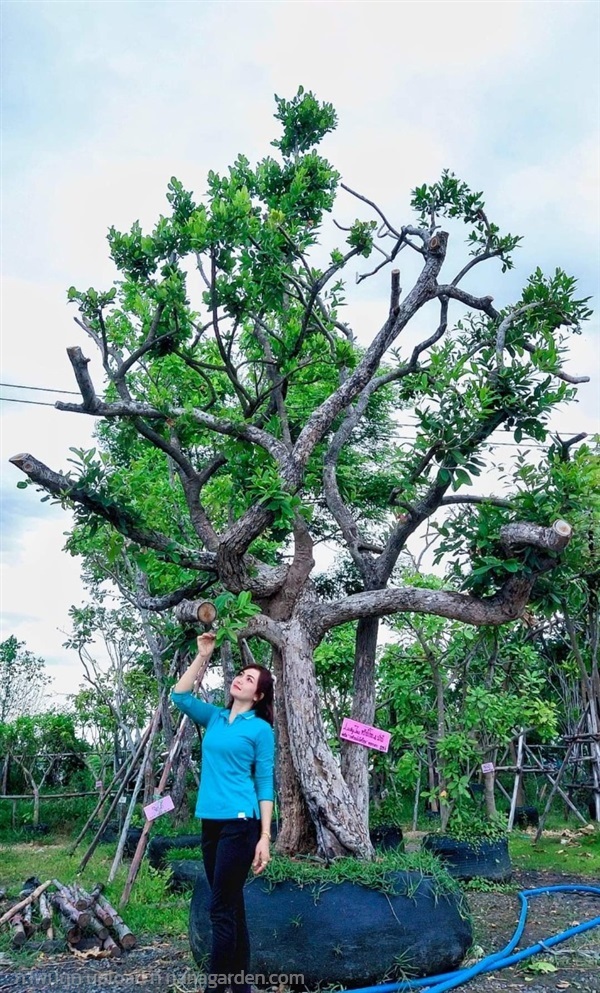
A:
x,y
261,855
206,645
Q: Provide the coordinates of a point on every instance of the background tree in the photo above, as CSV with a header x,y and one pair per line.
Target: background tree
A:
x,y
44,751
22,680
258,400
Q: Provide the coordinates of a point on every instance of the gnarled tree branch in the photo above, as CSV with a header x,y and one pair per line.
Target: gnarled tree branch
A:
x,y
505,605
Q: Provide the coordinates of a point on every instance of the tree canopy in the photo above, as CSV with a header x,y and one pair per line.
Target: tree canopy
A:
x,y
242,420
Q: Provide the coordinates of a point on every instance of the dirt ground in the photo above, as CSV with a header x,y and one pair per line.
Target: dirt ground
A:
x,y
167,967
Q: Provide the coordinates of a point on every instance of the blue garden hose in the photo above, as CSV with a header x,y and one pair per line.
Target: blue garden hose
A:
x,y
501,959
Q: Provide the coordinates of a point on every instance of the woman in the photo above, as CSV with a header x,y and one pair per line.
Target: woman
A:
x,y
235,804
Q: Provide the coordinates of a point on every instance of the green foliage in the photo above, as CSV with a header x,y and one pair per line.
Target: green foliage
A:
x,y
311,871
305,122
234,613
450,197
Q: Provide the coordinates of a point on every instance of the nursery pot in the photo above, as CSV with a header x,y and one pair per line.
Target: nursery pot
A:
x,y
477,859
343,933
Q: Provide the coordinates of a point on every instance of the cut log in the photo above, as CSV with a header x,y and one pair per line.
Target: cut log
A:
x,y
19,935
99,929
95,908
80,917
110,945
125,935
23,903
81,900
45,909
72,932
26,919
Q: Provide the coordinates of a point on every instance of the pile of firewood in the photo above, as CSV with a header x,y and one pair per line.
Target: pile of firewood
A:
x,y
87,920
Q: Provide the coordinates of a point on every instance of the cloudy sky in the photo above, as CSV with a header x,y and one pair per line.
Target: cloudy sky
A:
x,y
103,102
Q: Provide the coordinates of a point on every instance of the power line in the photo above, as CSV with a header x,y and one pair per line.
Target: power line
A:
x,y
42,389
36,403
400,437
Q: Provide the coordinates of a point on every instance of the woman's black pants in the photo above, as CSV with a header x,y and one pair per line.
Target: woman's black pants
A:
x,y
228,851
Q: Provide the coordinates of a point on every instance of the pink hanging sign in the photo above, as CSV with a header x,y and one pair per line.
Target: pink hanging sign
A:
x,y
487,767
161,806
364,734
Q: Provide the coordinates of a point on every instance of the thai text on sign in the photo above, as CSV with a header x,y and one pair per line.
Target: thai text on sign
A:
x,y
487,767
161,806
364,734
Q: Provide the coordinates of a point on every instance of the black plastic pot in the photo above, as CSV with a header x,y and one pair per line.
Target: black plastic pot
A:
x,y
527,817
387,838
342,933
160,845
471,860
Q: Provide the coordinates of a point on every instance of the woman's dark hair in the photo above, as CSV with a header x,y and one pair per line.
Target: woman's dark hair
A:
x,y
263,707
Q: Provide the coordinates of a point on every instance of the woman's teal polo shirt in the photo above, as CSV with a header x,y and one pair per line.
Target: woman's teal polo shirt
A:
x,y
237,759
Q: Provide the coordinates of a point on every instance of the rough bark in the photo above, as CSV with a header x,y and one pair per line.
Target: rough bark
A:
x,y
339,827
296,831
355,758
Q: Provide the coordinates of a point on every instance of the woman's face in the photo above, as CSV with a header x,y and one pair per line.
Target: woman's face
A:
x,y
245,686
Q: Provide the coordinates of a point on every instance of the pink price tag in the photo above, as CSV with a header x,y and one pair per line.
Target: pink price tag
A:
x,y
364,734
487,767
161,806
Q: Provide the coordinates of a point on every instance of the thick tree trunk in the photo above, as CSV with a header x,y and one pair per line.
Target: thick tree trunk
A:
x,y
355,758
339,827
297,832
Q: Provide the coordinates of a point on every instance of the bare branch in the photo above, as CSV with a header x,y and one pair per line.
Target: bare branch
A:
x,y
322,418
82,375
504,326
472,498
473,262
364,199
477,303
559,373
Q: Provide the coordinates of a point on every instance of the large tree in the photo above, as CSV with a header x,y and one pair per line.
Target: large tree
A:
x,y
233,379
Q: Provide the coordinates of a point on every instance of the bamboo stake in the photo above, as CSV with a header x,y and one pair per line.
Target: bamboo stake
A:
x,y
23,903
556,782
141,845
517,783
138,785
125,768
561,792
417,797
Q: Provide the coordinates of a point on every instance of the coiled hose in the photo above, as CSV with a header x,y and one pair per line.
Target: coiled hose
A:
x,y
501,959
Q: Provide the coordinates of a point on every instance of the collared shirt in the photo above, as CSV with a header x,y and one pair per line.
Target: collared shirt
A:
x,y
237,759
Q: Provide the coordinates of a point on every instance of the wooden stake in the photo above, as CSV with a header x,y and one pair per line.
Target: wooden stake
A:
x,y
124,771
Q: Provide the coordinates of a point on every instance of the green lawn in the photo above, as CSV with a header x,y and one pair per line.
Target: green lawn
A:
x,y
154,910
